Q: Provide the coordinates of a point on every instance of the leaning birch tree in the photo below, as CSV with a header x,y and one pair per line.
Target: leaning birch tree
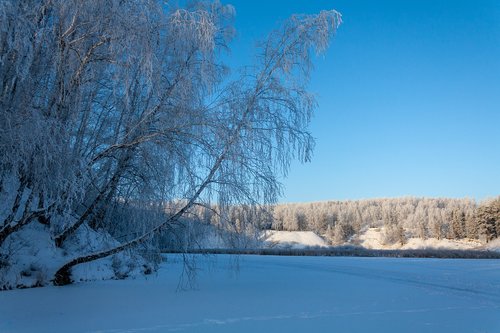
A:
x,y
120,104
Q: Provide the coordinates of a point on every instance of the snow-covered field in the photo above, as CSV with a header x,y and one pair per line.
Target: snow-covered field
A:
x,y
273,294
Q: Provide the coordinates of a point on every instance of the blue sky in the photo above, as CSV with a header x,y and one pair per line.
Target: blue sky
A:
x,y
409,98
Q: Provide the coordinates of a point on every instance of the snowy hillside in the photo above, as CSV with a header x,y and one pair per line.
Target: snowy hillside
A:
x,y
272,294
34,258
373,238
493,245
293,239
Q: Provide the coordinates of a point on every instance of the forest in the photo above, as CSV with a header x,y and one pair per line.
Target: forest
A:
x,y
402,218
339,222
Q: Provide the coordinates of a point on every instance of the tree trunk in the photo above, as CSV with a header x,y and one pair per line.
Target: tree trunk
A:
x,y
63,275
26,219
59,240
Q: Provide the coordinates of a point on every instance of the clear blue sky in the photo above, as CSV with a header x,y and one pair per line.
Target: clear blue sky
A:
x,y
409,98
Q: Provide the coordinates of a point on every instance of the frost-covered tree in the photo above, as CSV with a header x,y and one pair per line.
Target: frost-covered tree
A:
x,y
457,229
471,226
343,229
123,108
393,226
401,218
488,219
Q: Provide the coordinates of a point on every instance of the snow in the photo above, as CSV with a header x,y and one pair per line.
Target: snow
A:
x,y
445,244
494,245
272,294
372,238
34,258
293,239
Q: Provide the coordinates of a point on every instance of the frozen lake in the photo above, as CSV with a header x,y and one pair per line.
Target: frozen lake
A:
x,y
273,294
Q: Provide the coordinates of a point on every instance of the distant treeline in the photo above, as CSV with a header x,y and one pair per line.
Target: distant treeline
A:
x,y
341,221
402,218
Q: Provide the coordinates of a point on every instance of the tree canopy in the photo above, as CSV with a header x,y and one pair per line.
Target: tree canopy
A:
x,y
111,108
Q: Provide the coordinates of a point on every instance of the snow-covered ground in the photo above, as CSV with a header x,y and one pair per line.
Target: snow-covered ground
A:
x,y
34,258
372,238
494,245
293,239
273,294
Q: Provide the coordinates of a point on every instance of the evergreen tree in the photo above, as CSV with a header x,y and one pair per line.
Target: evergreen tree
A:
x,y
488,219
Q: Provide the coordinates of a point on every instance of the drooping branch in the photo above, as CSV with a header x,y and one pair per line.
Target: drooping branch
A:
x,y
63,276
